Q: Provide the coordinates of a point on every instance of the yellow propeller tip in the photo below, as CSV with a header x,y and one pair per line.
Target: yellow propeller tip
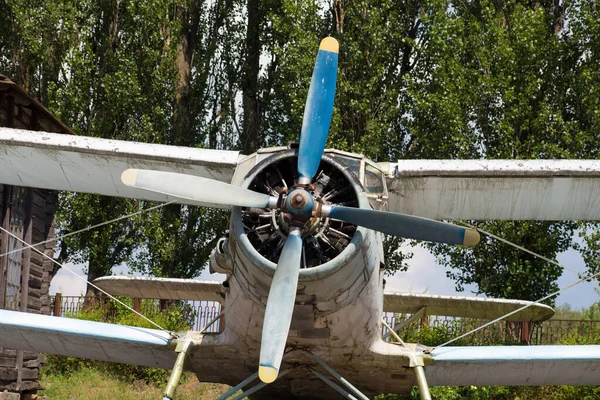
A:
x,y
267,374
329,44
129,176
471,238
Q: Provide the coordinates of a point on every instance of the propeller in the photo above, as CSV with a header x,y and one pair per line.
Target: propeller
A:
x,y
318,110
407,226
195,189
280,307
299,205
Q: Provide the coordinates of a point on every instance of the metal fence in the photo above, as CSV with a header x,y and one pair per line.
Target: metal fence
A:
x,y
439,329
198,314
434,329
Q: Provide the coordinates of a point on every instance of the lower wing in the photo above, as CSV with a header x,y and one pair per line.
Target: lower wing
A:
x,y
87,339
515,366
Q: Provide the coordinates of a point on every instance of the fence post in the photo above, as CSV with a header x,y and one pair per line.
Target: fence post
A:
x,y
57,305
137,304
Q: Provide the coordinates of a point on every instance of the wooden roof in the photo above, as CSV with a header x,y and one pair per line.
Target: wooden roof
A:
x,y
27,112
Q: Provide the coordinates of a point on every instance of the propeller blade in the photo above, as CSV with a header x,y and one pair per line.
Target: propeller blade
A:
x,y
194,189
318,110
407,226
280,307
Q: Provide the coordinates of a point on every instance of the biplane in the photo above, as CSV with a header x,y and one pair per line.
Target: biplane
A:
x,y
304,294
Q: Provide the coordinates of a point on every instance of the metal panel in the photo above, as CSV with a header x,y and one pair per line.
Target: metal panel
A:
x,y
496,189
84,164
515,365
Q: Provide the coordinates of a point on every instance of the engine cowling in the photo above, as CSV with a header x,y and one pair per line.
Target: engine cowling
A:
x,y
338,257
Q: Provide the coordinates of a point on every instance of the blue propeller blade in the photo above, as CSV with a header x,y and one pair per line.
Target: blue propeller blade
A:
x,y
406,226
318,110
280,308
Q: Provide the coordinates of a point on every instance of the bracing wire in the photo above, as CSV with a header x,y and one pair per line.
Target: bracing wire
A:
x,y
508,242
84,279
88,228
515,311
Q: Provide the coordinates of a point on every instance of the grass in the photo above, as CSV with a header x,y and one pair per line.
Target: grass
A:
x,y
90,384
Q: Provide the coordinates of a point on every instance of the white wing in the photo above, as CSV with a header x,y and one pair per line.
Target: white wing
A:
x,y
515,365
465,307
86,339
162,288
496,189
84,164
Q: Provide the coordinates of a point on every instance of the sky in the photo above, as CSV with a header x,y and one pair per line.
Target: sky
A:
x,y
423,276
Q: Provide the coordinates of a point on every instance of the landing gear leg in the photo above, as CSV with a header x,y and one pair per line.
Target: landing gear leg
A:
x,y
182,348
422,383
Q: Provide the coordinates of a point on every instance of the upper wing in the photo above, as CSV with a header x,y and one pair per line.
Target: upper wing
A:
x,y
466,307
515,365
84,164
86,339
496,189
162,288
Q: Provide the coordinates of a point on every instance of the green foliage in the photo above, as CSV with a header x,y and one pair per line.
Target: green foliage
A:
x,y
499,84
177,240
565,311
91,384
590,248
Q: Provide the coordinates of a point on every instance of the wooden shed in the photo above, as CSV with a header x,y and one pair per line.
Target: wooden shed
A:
x,y
28,214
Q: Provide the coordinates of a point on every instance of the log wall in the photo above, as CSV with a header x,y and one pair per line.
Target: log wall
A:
x,y
19,370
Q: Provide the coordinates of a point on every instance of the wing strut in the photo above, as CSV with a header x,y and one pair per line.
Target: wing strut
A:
x,y
340,378
250,391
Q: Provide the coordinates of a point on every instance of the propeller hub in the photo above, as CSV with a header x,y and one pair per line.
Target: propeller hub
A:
x,y
299,203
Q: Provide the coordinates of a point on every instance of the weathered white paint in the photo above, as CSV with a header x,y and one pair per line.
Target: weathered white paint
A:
x,y
85,339
465,307
92,165
496,189
515,365
161,288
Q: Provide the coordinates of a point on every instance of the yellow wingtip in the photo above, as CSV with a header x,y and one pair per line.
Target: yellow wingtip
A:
x,y
471,238
267,374
330,44
129,176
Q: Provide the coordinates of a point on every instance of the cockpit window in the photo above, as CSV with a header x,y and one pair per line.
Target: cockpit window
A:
x,y
353,164
373,179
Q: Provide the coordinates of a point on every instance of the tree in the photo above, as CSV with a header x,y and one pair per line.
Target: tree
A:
x,y
507,73
118,67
